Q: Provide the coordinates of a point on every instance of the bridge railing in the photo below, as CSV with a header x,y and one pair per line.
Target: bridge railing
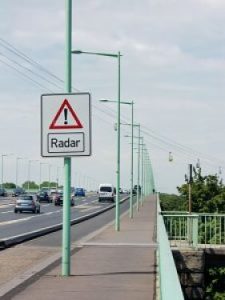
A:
x,y
195,230
169,284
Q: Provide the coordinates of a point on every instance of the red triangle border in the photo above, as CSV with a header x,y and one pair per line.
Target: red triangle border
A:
x,y
78,123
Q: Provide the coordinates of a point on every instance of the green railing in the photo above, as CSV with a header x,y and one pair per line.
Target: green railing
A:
x,y
195,230
169,284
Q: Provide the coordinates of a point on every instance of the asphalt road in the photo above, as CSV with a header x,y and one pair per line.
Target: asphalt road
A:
x,y
80,230
12,224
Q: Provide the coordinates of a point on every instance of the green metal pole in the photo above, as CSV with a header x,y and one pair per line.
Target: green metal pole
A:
x,y
132,160
142,172
117,221
146,172
138,177
67,160
145,183
147,175
2,171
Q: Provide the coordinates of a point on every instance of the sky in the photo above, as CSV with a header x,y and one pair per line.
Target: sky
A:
x,y
172,67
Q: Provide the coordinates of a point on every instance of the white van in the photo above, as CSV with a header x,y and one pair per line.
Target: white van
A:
x,y
106,191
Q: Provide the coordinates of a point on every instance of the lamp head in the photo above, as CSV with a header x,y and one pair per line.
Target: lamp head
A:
x,y
77,52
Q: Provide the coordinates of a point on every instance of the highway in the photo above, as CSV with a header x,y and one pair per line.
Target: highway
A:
x,y
12,224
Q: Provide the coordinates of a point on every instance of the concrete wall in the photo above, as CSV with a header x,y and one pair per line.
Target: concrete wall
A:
x,y
191,268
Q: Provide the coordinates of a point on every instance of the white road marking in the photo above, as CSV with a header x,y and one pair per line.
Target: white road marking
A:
x,y
15,221
6,205
52,212
82,207
89,208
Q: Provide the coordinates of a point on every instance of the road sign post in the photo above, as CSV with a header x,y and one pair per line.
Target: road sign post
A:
x,y
66,132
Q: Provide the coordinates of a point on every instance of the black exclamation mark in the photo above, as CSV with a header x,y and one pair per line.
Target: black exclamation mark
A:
x,y
65,116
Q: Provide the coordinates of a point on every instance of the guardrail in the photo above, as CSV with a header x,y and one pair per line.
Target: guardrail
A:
x,y
169,284
195,230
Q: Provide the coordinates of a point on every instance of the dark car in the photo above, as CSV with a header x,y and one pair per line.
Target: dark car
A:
x,y
27,203
18,191
135,189
58,200
43,196
79,192
3,192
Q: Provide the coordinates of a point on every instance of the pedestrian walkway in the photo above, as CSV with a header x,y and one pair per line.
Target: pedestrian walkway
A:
x,y
109,265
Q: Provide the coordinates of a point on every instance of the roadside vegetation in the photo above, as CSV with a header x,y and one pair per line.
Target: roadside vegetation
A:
x,y
208,196
31,184
207,193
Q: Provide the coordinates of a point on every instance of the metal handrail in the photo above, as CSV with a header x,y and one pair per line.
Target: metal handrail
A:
x,y
169,284
195,230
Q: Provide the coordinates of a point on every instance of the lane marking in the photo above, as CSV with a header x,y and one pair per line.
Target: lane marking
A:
x,y
82,207
15,221
90,208
6,205
6,212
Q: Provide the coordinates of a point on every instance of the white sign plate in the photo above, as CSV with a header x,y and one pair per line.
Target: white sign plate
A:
x,y
66,125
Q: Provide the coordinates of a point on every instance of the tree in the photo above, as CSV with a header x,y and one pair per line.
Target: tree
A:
x,y
9,185
207,193
173,202
46,184
31,184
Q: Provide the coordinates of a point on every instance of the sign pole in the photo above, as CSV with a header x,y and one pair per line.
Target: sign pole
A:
x,y
67,160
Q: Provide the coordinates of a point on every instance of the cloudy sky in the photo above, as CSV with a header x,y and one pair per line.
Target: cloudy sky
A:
x,y
173,68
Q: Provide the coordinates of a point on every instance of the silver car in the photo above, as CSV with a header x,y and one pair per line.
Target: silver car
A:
x,y
27,203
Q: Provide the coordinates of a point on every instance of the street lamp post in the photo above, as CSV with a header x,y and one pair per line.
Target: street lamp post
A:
x,y
49,176
17,169
57,177
28,173
118,55
132,141
4,155
40,173
67,160
141,145
138,162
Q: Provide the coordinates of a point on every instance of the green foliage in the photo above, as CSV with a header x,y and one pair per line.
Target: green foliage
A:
x,y
31,184
173,202
46,184
215,279
207,193
208,196
9,185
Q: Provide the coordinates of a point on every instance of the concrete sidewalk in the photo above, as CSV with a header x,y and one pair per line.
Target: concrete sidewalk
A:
x,y
109,265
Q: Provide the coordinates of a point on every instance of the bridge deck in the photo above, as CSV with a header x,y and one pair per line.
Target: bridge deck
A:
x,y
109,265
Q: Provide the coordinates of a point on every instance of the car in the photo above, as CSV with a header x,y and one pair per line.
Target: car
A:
x,y
43,196
52,194
106,192
27,203
135,189
18,191
120,190
79,192
58,199
3,192
125,191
